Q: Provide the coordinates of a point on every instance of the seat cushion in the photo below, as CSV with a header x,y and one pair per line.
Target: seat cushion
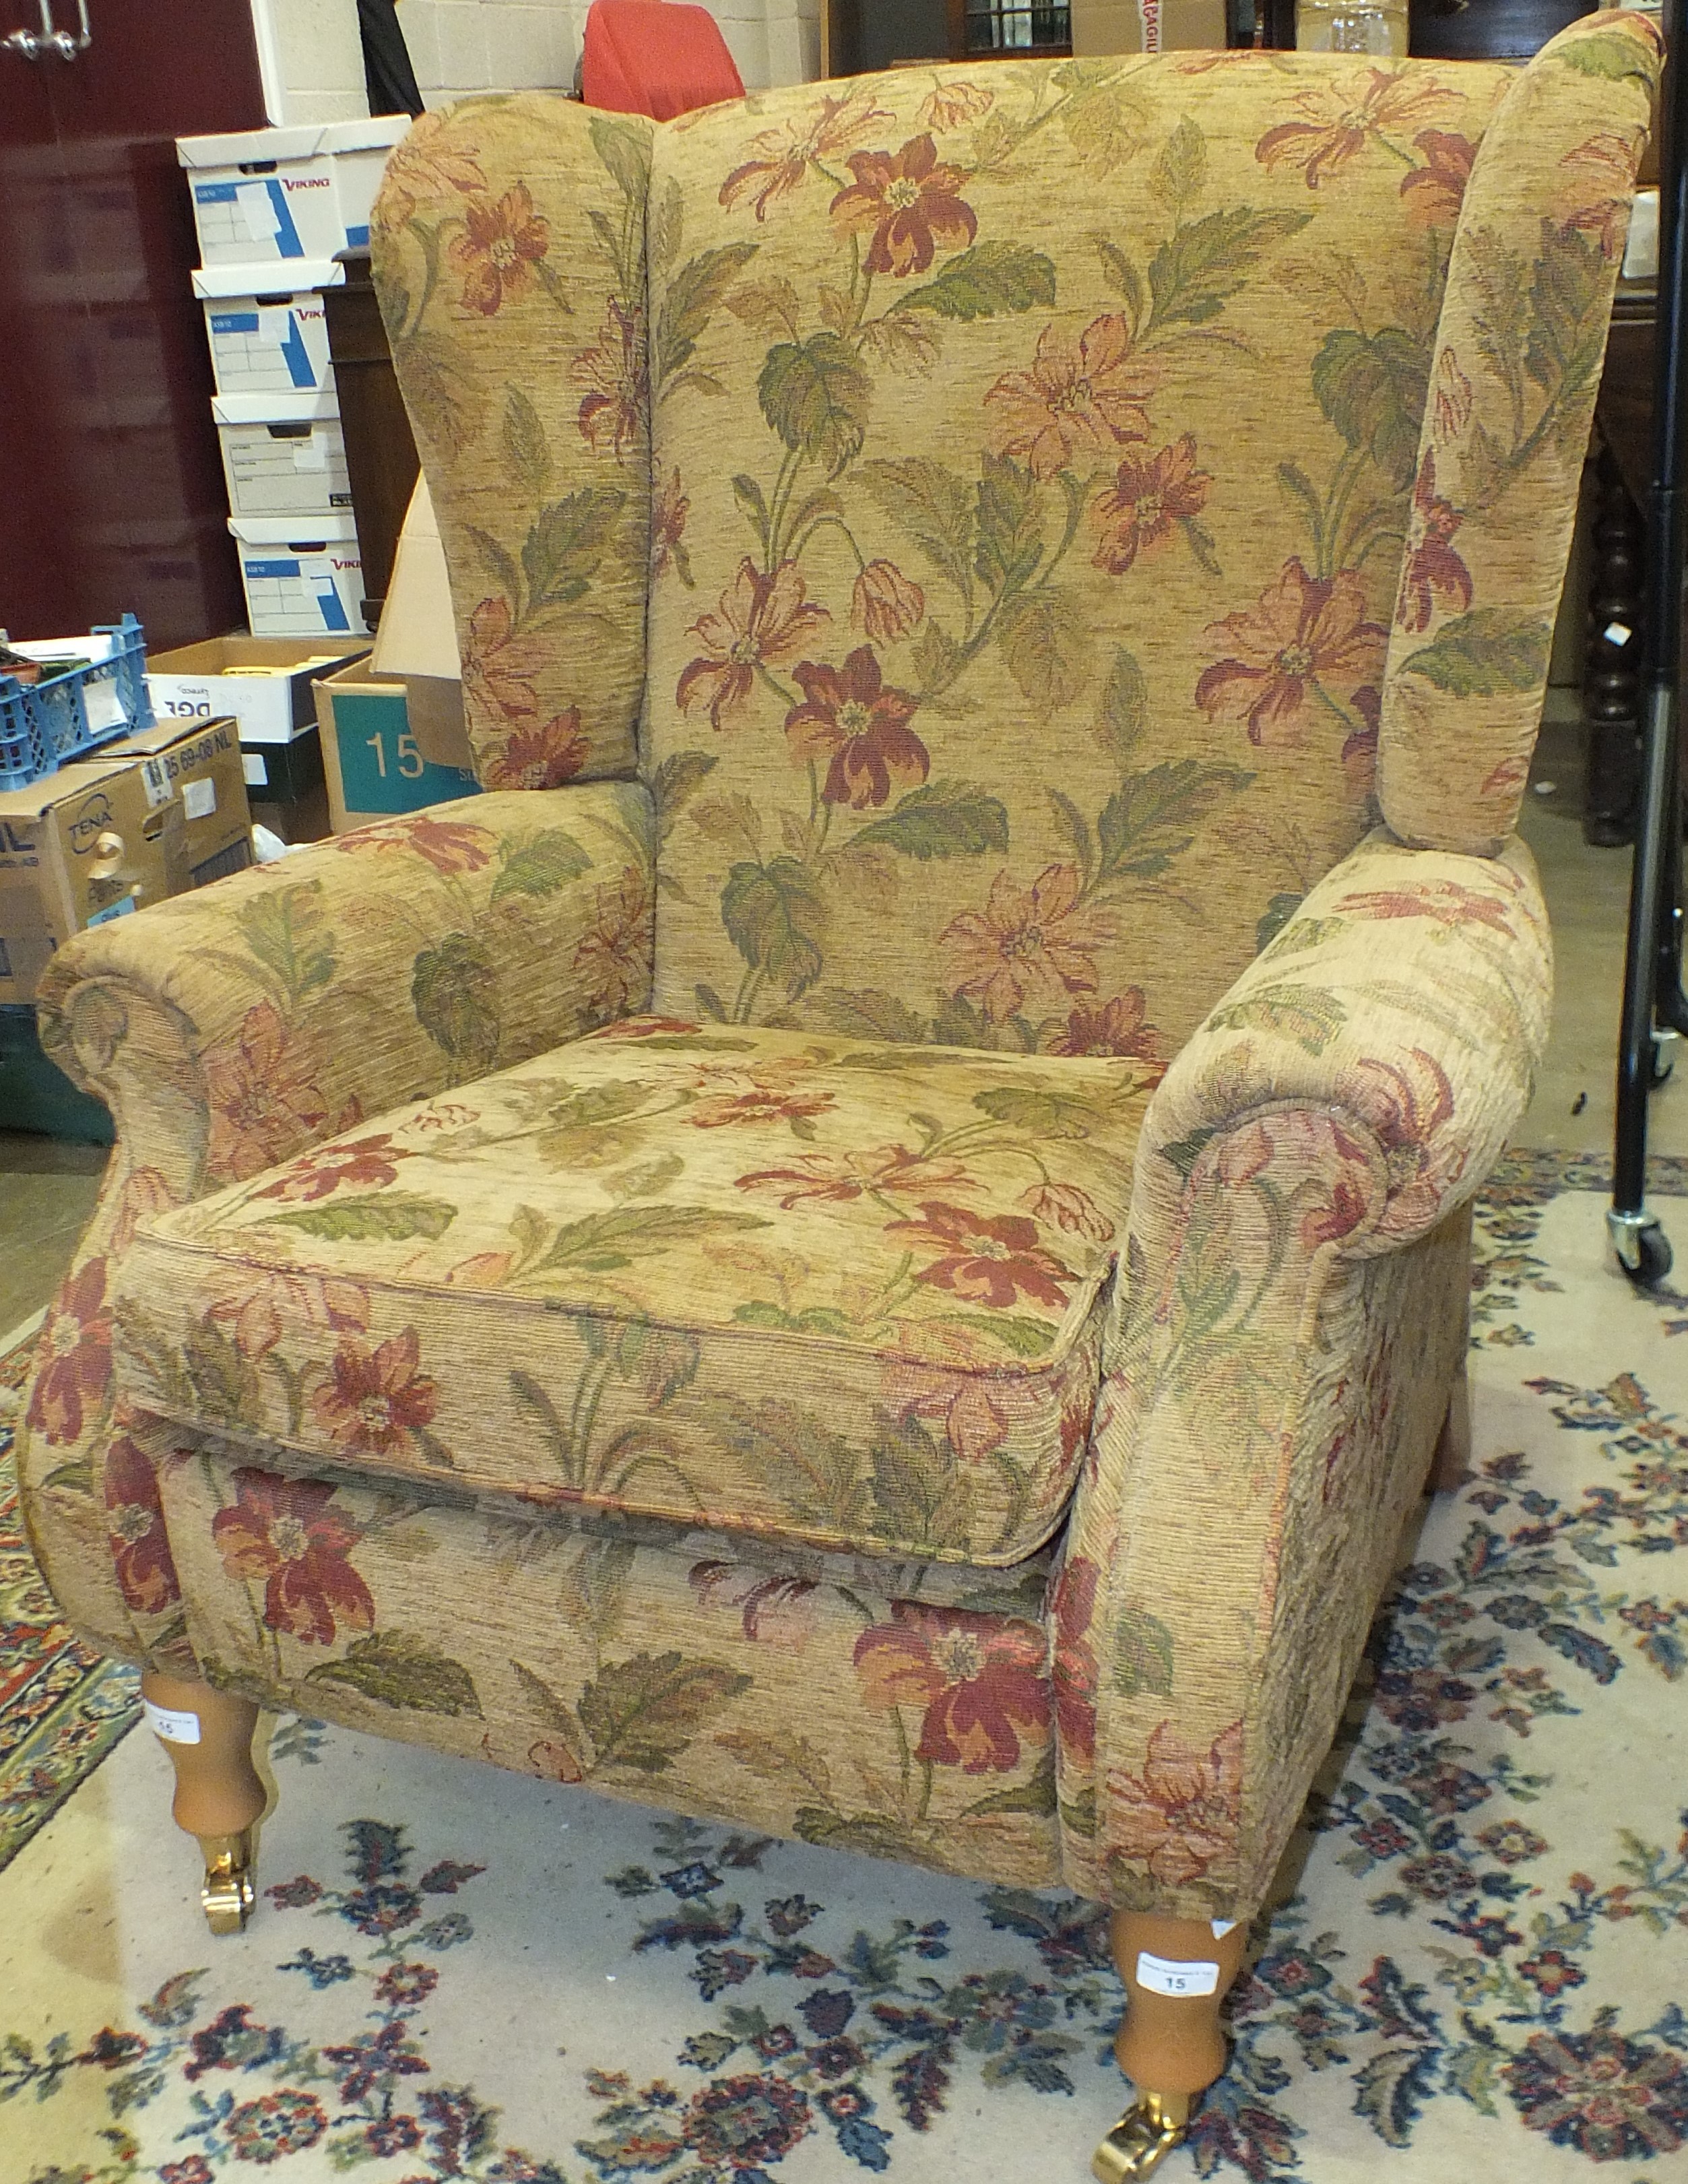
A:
x,y
826,1290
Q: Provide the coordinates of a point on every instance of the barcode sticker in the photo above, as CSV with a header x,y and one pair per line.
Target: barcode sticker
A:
x,y
199,799
174,1728
156,782
1167,1975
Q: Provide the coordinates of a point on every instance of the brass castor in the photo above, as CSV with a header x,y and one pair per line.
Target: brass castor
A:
x,y
1142,2138
227,1894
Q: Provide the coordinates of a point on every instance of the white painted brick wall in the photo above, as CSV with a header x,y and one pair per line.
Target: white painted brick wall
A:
x,y
460,46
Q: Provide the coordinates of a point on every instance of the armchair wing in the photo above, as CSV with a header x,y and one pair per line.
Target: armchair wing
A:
x,y
232,1029
1292,1316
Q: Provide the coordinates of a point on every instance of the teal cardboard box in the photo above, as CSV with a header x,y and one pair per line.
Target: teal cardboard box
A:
x,y
386,739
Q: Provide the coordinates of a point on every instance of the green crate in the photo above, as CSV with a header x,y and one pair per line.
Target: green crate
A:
x,y
37,1095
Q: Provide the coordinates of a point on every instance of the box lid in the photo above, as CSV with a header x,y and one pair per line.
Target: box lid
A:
x,y
335,528
295,405
303,140
217,282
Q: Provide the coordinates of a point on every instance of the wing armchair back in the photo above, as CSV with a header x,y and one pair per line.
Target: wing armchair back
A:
x,y
873,1239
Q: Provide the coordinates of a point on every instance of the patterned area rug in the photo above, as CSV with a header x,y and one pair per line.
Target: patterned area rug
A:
x,y
455,1974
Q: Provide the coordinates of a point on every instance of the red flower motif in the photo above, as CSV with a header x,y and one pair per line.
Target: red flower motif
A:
x,y
1362,744
278,1298
1329,1223
771,1610
1117,1029
1407,1105
949,104
1080,400
1432,566
885,605
1072,1669
376,1402
1434,193
759,621
979,1678
770,1097
503,240
451,846
135,1525
1065,1205
262,1094
991,1259
612,411
1450,399
535,757
370,1162
668,532
1147,499
614,952
1448,902
909,199
850,719
421,170
1031,946
783,156
1183,1813
286,1532
1301,631
1339,116
1607,164
75,1374
498,667
837,1178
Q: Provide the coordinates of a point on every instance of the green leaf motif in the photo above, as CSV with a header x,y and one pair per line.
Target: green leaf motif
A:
x,y
643,1713
776,920
527,458
1484,653
815,396
1045,640
453,989
1035,1795
1617,58
387,1216
1142,1653
1040,1114
812,1319
287,931
1372,388
1568,311
1151,819
1123,713
1277,915
1196,271
1181,169
783,1753
1122,277
1010,532
625,150
499,560
400,1671
1106,124
561,553
934,506
674,784
921,1497
1306,1014
542,866
1018,1333
602,1243
870,1014
989,280
693,296
943,819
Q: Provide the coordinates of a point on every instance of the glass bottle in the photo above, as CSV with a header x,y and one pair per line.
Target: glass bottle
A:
x,y
1351,26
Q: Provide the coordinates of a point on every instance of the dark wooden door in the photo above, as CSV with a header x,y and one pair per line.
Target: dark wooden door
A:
x,y
114,495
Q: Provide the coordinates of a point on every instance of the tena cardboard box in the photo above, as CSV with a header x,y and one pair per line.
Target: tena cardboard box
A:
x,y
263,682
374,726
151,817
1101,27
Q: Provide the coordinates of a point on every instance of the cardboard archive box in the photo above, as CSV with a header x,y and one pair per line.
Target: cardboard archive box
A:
x,y
391,744
1100,27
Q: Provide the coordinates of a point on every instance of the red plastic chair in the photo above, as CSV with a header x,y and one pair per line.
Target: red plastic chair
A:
x,y
655,56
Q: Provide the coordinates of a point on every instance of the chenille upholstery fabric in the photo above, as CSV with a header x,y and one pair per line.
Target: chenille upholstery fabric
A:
x,y
894,1274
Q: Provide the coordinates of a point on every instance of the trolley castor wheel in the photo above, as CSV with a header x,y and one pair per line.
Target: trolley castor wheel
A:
x,y
1642,1247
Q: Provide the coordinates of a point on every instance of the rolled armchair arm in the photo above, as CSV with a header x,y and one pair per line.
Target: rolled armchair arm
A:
x,y
229,1029
1287,1327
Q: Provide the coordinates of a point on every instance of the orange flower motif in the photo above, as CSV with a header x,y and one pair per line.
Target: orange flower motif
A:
x,y
614,371
135,1526
769,1096
1339,117
1065,1205
1432,568
75,1374
991,1259
1031,947
782,157
850,719
979,1680
837,1178
262,1094
1146,500
376,1402
909,199
370,1162
668,532
1117,1029
952,103
535,757
286,1532
759,621
451,846
503,240
498,667
614,955
421,170
885,605
1080,399
1183,1813
1302,631
1434,193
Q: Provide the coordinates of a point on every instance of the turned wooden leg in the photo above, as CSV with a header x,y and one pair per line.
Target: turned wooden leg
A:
x,y
1176,1972
1451,1465
1612,681
218,1796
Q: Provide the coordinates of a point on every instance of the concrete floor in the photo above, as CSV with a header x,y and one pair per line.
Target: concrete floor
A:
x,y
48,1189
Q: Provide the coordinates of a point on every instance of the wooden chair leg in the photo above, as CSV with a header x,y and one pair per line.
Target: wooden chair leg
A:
x,y
218,1796
1176,1972
1451,1465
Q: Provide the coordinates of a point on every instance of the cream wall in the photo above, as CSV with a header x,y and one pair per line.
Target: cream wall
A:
x,y
314,66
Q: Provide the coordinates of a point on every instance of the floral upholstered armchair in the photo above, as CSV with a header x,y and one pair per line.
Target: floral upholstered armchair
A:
x,y
873,1239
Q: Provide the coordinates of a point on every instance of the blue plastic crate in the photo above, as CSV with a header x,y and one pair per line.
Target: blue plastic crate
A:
x,y
44,725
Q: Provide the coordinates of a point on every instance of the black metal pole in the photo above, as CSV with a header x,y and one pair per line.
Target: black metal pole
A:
x,y
1652,965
